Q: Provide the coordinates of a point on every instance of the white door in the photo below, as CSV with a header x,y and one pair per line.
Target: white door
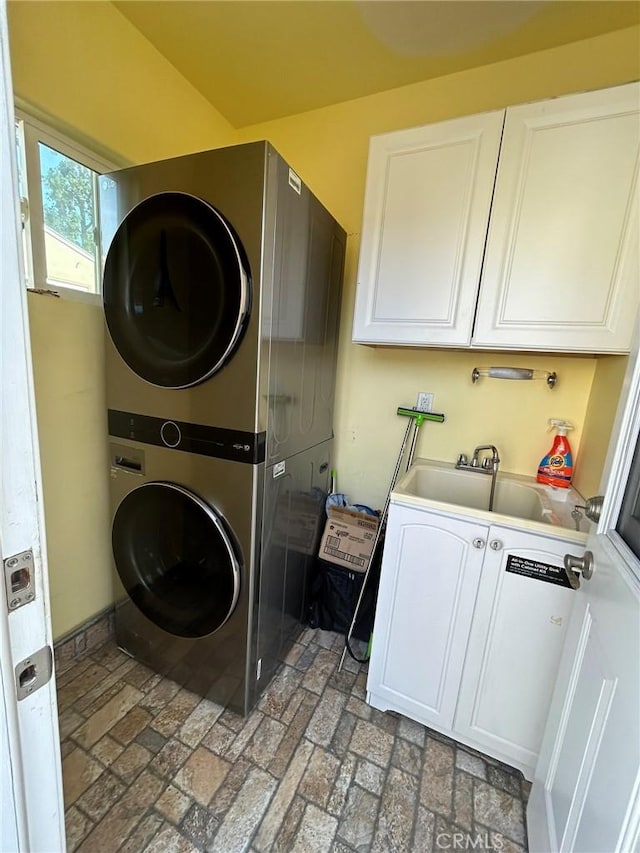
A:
x,y
586,793
30,777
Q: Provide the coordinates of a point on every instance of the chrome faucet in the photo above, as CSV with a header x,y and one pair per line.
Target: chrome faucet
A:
x,y
487,465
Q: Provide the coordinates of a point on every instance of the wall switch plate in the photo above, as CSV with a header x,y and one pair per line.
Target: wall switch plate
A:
x,y
425,401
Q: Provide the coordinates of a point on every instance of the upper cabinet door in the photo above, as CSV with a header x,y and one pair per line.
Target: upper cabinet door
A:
x,y
561,264
426,208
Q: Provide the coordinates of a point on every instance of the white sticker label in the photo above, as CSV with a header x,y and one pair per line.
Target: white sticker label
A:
x,y
279,469
294,181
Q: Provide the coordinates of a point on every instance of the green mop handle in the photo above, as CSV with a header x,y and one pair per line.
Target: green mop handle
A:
x,y
418,419
419,416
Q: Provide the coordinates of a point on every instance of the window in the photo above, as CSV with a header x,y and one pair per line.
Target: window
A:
x,y
58,186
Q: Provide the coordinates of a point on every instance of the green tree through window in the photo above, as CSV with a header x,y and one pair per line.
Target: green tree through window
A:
x,y
68,201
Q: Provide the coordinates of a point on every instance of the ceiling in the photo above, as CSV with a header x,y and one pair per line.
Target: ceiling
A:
x,y
256,60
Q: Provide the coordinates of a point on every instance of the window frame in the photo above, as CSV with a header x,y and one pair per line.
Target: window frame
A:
x,y
30,132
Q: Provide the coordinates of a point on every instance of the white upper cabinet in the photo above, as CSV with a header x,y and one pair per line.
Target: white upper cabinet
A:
x,y
426,207
561,263
560,270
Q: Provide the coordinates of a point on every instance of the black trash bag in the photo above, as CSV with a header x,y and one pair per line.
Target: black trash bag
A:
x,y
334,596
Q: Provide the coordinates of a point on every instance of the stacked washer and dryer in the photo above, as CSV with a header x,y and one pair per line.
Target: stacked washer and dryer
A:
x,y
222,285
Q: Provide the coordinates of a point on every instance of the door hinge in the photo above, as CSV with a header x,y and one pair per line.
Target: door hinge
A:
x,y
19,579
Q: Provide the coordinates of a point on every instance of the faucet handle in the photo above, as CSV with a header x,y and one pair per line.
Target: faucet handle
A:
x,y
462,459
486,463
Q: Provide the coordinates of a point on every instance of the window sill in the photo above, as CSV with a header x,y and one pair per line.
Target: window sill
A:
x,y
68,294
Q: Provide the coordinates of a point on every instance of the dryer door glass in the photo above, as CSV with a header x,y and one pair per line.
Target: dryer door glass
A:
x,y
176,559
176,290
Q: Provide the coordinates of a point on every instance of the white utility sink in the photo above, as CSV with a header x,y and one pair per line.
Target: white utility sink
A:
x,y
515,495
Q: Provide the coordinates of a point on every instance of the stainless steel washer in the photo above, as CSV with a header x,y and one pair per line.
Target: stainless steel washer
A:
x,y
210,566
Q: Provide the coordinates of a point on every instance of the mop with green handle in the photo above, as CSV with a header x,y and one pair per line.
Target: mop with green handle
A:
x,y
416,419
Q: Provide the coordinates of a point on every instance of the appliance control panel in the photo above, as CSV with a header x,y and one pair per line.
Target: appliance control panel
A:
x,y
236,445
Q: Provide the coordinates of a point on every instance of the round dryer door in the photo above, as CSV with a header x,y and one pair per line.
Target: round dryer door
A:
x,y
176,290
176,559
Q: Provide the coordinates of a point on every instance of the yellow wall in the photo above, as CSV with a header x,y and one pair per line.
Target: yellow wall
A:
x,y
67,348
84,64
603,402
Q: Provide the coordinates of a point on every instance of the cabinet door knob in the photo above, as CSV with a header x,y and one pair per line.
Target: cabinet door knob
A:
x,y
495,545
478,543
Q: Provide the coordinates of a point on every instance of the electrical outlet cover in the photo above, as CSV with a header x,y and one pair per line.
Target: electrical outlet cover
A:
x,y
425,401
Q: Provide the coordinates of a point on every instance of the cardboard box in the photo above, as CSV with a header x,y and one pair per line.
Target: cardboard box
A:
x,y
348,538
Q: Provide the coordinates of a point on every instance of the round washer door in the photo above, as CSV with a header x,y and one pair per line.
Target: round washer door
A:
x,y
177,290
176,559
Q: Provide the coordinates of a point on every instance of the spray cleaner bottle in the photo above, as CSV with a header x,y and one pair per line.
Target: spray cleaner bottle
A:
x,y
556,468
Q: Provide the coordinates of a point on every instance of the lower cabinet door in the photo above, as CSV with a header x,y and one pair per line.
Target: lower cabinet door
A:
x,y
515,645
430,574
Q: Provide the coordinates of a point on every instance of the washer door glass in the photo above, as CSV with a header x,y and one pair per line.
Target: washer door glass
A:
x,y
176,559
176,290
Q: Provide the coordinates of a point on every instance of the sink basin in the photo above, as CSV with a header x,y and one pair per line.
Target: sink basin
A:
x,y
518,500
444,483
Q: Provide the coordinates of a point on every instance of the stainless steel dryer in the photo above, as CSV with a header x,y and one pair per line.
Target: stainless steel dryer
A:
x,y
222,286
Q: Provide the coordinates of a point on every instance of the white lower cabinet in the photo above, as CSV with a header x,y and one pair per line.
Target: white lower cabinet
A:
x,y
428,587
464,641
514,648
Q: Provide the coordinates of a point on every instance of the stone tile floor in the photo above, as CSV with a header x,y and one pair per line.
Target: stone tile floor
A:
x,y
149,766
